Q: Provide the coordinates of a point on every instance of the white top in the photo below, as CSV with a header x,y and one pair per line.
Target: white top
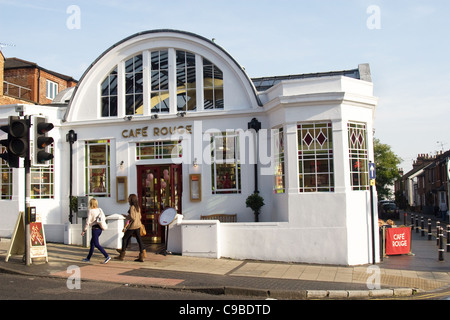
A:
x,y
92,218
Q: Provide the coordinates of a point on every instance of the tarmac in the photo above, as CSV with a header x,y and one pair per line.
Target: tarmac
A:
x,y
394,277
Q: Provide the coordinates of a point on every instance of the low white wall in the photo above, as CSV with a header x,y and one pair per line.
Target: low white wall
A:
x,y
110,238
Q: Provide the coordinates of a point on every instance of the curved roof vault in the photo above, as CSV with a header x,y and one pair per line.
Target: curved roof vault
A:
x,y
149,40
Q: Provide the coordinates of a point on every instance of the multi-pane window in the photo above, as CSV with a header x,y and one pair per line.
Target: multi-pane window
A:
x,y
134,103
172,73
359,164
42,180
159,150
315,157
212,85
98,168
278,153
186,81
225,166
159,81
52,90
109,95
6,181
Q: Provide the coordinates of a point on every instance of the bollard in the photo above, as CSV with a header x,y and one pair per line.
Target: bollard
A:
x,y
448,238
422,227
429,229
441,244
417,224
438,227
412,222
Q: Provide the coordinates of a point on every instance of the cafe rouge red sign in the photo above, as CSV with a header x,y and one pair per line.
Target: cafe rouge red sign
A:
x,y
398,241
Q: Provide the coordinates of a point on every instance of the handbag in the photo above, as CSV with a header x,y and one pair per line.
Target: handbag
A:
x,y
101,220
143,231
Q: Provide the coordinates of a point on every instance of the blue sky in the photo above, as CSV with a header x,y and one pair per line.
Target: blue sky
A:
x,y
408,51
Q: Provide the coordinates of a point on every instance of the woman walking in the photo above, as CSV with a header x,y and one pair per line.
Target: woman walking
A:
x,y
133,228
93,213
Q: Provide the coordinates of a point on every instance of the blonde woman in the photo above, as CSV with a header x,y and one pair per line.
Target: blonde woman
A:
x,y
93,213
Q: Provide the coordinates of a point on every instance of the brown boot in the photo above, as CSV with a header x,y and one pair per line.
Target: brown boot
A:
x,y
141,257
143,252
121,256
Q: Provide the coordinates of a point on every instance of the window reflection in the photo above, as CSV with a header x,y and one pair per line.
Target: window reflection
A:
x,y
186,82
134,102
109,95
159,81
213,86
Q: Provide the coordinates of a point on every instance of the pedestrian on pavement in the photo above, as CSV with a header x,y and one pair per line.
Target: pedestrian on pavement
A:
x,y
93,213
133,228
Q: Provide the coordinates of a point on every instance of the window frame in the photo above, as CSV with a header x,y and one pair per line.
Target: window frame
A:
x,y
6,179
52,88
105,167
320,160
358,156
222,163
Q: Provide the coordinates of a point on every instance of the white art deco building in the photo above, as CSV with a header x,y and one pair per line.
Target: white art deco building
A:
x,y
165,114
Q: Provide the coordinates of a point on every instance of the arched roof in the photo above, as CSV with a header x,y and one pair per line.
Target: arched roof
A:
x,y
156,39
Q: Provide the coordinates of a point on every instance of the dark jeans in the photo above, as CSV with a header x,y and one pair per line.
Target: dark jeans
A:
x,y
127,236
96,232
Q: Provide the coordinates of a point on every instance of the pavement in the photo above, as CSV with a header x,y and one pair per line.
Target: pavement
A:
x,y
394,276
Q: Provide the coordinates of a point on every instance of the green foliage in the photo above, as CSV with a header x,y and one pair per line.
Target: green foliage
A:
x,y
386,162
254,202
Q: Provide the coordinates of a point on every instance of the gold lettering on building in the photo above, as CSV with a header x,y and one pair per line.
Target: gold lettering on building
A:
x,y
157,131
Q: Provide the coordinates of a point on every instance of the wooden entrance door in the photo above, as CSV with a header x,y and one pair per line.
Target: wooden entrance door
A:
x,y
159,187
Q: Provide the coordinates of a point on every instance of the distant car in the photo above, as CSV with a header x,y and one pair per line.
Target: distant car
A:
x,y
389,211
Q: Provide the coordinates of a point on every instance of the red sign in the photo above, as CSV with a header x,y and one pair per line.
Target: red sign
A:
x,y
398,241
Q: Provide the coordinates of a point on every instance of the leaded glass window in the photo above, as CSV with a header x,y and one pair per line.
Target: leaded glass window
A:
x,y
186,81
109,95
42,180
359,163
98,168
315,157
212,85
6,181
167,149
278,153
134,100
225,166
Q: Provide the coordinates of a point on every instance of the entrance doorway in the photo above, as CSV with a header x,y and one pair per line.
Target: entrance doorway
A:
x,y
159,187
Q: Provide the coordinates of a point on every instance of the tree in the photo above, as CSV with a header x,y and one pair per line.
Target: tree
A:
x,y
386,162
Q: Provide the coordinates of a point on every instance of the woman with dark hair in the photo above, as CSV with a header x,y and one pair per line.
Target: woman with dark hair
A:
x,y
133,227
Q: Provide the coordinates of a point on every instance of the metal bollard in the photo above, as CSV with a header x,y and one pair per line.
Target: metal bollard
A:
x,y
422,227
417,224
412,221
448,238
441,244
438,227
429,229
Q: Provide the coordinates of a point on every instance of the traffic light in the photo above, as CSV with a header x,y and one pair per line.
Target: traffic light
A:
x,y
17,144
41,141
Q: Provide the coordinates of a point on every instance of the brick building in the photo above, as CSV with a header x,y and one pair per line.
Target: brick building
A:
x,y
425,188
24,82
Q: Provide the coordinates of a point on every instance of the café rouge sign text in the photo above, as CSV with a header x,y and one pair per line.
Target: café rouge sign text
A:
x,y
157,131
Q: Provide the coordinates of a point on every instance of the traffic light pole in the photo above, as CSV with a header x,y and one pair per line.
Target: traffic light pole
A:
x,y
27,168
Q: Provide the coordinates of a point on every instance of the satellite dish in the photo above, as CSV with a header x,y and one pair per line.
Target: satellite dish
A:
x,y
167,216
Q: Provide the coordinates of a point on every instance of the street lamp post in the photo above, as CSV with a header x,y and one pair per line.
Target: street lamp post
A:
x,y
71,137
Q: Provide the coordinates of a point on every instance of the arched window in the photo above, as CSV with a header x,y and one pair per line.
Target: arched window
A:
x,y
212,85
179,74
134,101
160,82
109,95
186,82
